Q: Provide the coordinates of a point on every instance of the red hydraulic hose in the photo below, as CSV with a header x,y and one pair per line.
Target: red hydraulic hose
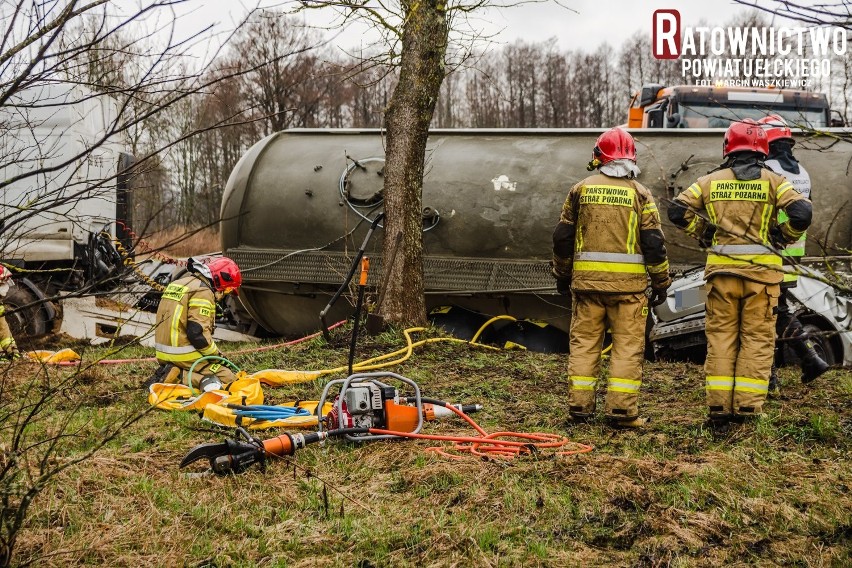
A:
x,y
238,352
486,445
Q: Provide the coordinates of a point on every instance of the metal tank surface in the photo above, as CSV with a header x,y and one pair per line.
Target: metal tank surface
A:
x,y
294,210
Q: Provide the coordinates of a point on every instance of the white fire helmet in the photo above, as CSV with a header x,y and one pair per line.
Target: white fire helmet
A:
x,y
199,266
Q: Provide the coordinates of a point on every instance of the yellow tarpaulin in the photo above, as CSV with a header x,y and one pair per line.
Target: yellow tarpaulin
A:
x,y
61,356
213,405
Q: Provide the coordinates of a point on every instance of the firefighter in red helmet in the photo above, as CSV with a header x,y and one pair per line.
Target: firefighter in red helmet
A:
x,y
733,212
788,328
185,321
606,246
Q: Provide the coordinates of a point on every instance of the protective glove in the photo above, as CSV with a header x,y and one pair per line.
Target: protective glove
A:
x,y
563,286
777,238
11,353
563,283
705,239
658,296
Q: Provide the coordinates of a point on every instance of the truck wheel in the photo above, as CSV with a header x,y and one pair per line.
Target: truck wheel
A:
x,y
26,322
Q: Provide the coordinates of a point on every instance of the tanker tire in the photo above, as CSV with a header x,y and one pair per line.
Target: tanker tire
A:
x,y
29,322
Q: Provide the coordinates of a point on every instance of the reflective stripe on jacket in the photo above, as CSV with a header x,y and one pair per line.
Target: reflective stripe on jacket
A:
x,y
6,340
185,300
744,213
598,239
802,183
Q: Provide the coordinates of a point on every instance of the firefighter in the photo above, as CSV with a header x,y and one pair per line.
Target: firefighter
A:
x,y
185,321
788,328
733,211
8,347
607,243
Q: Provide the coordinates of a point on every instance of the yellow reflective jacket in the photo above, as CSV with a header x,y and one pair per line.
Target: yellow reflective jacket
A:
x,y
802,183
608,233
7,342
185,300
744,214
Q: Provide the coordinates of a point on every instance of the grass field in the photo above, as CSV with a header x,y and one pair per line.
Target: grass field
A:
x,y
774,493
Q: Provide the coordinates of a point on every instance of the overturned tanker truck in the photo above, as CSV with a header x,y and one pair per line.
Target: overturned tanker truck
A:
x,y
299,203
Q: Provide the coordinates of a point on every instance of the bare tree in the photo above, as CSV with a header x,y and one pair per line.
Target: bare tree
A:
x,y
416,38
483,95
837,13
82,82
554,87
279,87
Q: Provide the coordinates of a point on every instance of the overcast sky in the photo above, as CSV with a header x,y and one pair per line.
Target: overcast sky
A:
x,y
585,25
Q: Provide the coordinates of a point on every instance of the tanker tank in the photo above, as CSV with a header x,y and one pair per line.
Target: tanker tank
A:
x,y
295,211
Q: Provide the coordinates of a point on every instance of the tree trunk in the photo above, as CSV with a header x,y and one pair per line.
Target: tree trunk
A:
x,y
408,115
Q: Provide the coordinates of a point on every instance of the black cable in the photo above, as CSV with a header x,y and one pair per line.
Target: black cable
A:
x,y
348,279
358,306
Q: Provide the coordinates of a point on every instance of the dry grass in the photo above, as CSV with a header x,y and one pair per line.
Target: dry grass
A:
x,y
773,493
183,242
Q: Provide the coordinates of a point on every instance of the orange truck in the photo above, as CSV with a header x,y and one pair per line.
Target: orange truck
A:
x,y
688,106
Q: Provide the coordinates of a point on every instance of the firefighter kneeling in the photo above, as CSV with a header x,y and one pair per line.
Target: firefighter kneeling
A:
x,y
606,244
733,212
185,321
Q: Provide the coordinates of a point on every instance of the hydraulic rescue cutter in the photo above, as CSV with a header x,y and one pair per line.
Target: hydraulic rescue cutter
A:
x,y
366,408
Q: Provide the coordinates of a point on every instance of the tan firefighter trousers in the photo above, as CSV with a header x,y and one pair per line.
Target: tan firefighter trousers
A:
x,y
592,314
8,348
175,372
740,344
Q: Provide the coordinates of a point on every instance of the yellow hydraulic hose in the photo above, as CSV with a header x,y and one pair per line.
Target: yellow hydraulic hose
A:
x,y
279,376
489,322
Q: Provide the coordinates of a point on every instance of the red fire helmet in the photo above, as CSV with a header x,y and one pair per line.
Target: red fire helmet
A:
x,y
224,274
745,135
614,144
776,128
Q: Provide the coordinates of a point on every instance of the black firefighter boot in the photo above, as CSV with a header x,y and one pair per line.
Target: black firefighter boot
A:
x,y
774,391
812,364
159,376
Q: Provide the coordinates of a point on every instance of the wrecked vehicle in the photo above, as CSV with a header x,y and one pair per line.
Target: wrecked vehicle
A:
x,y
824,310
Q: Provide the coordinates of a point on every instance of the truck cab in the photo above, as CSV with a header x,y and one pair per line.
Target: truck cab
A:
x,y
65,185
686,106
